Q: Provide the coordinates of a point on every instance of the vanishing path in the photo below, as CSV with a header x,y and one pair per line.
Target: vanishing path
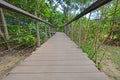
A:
x,y
57,59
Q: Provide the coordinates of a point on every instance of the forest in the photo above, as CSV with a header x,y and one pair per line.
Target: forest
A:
x,y
97,33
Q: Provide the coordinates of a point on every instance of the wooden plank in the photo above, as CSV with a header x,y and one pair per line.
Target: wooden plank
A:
x,y
57,59
53,69
58,76
57,63
46,78
65,75
57,55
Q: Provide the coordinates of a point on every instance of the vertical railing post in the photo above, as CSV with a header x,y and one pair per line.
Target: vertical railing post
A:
x,y
71,31
46,33
65,29
49,31
79,33
54,30
37,32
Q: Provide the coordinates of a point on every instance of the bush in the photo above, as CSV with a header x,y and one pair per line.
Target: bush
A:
x,y
27,40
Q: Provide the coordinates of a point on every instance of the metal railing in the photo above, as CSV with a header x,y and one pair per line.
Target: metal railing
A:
x,y
90,34
92,7
10,7
10,40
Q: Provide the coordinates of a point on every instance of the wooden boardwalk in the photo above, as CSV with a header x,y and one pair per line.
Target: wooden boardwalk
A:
x,y
57,59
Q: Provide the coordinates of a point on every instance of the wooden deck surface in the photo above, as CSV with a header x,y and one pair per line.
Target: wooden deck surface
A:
x,y
57,59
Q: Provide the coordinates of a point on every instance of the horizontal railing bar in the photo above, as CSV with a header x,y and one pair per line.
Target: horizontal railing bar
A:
x,y
8,6
92,7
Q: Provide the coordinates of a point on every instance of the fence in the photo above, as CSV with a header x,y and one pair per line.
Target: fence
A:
x,y
24,31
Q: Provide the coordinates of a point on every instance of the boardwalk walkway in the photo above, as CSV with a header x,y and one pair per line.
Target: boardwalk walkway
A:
x,y
57,59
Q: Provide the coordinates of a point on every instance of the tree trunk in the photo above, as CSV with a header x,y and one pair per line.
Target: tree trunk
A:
x,y
112,24
4,25
87,30
4,31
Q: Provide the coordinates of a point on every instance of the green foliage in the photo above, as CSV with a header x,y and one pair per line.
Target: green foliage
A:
x,y
87,48
27,40
23,35
117,34
94,32
99,66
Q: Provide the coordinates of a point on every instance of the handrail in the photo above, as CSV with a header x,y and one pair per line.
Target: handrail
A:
x,y
8,6
92,7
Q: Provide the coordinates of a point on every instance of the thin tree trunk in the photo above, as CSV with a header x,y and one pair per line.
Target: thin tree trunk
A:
x,y
4,33
112,24
87,29
4,25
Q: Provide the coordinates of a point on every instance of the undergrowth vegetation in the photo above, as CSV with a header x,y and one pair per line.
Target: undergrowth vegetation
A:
x,y
97,33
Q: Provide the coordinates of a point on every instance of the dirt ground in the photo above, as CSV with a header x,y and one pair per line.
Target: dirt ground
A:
x,y
9,61
110,68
